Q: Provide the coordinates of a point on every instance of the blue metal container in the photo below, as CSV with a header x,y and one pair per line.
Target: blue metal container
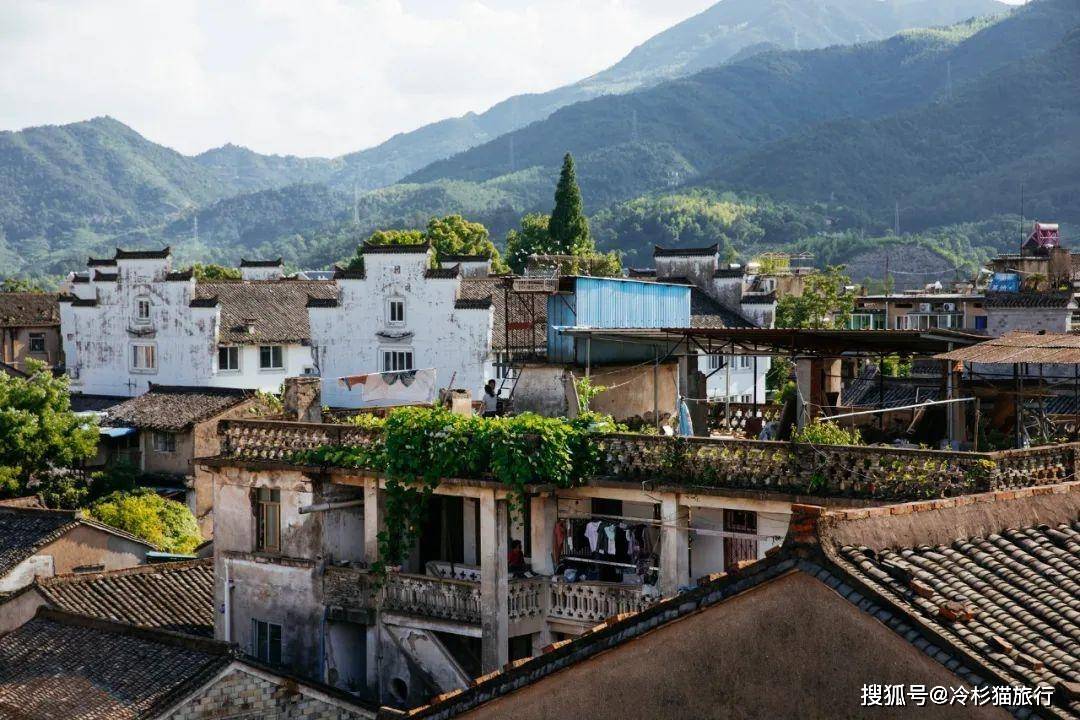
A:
x,y
612,303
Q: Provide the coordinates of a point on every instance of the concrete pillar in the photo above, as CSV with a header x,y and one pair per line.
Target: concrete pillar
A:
x,y
674,545
374,518
804,374
468,531
494,584
544,514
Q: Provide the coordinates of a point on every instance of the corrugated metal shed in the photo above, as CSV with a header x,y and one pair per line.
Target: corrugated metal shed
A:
x,y
1021,347
612,303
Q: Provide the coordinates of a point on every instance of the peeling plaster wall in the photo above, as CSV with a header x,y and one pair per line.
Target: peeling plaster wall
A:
x,y
283,588
350,338
1001,320
98,340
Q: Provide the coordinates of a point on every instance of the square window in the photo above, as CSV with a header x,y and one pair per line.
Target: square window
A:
x,y
395,311
228,358
270,357
164,442
266,642
143,358
37,343
397,360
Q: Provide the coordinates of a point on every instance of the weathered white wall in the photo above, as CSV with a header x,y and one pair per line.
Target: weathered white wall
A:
x,y
97,340
1002,320
350,338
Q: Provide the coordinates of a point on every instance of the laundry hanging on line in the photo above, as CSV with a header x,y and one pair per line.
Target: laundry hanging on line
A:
x,y
402,387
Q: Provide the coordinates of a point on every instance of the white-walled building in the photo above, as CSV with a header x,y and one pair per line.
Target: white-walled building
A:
x,y
399,313
131,321
719,298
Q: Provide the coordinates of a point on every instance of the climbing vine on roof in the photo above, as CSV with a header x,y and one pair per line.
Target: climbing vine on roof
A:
x,y
417,447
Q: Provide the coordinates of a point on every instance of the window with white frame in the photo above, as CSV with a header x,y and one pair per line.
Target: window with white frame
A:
x,y
228,358
142,310
270,357
37,343
164,442
714,362
266,642
397,360
745,362
395,311
143,357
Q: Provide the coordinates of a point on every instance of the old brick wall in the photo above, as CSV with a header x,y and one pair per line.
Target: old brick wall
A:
x,y
242,694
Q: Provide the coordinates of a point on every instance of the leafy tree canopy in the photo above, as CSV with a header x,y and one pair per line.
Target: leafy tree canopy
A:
x,y
825,302
210,272
37,428
164,523
449,235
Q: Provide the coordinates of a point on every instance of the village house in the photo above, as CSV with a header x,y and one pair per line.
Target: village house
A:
x,y
920,310
60,664
131,321
723,296
173,596
167,427
37,543
29,330
399,314
861,613
294,543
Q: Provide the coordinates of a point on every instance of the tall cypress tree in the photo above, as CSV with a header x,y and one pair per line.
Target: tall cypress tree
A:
x,y
568,228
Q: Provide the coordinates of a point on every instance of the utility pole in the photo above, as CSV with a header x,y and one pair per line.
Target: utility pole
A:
x,y
355,204
196,226
896,220
948,79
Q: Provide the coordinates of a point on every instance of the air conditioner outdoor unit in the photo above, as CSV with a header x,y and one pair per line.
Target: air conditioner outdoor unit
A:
x,y
925,307
949,307
308,370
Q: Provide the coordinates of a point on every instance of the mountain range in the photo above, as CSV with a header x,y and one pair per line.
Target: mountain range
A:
x,y
946,122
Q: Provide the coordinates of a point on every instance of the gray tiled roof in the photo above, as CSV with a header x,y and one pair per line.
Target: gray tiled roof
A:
x,y
29,309
278,307
172,408
1027,300
175,596
59,665
24,531
1023,583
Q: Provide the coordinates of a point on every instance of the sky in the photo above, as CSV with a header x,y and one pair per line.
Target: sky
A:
x,y
302,77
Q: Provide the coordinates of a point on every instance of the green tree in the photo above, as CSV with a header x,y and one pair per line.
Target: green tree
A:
x,y
164,523
12,284
38,431
569,228
449,235
454,235
825,302
532,239
209,272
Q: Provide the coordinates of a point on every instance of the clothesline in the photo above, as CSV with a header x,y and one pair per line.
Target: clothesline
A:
x,y
677,526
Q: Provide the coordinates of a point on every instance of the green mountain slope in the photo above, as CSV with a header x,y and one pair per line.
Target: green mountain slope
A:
x,y
716,114
99,173
714,36
950,161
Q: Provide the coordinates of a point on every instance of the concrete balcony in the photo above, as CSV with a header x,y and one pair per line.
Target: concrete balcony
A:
x,y
449,601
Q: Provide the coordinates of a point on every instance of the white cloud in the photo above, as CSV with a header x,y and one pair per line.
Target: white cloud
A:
x,y
317,77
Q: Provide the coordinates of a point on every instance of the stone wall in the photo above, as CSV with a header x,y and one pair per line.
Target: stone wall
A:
x,y
245,694
869,471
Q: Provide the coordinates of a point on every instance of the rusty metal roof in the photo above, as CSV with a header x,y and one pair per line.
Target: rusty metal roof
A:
x,y
1022,347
